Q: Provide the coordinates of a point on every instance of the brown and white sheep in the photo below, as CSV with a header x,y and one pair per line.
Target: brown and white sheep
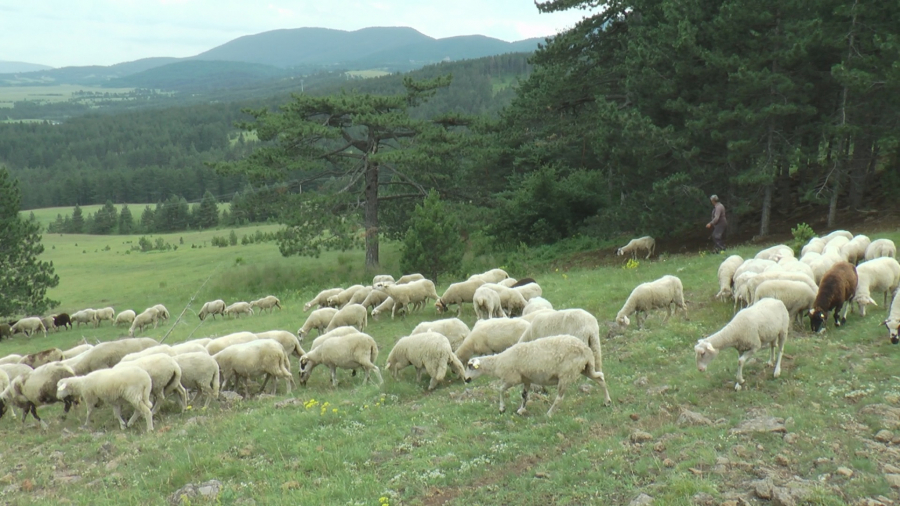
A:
x,y
837,288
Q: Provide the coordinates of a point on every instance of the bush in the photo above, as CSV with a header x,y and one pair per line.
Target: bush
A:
x,y
802,234
432,244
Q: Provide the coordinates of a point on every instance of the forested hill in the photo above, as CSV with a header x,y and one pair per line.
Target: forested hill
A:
x,y
8,67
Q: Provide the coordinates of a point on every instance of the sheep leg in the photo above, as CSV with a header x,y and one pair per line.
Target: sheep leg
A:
x,y
266,382
438,376
89,406
740,370
782,338
837,315
374,368
525,387
419,374
117,410
560,394
600,378
334,382
145,411
503,389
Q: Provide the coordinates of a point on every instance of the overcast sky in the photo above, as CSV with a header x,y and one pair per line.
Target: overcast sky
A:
x,y
62,33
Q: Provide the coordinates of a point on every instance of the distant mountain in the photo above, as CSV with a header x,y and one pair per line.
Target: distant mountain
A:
x,y
452,48
194,76
13,67
94,75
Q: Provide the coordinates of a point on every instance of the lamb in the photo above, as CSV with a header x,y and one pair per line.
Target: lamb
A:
x,y
765,322
238,308
352,315
28,326
268,302
199,372
375,299
556,360
321,300
838,286
263,356
487,303
341,299
491,336
881,248
150,315
775,252
40,358
36,388
108,354
452,328
162,311
664,292
815,245
410,293
213,308
106,313
318,319
877,275
409,278
351,351
219,344
797,296
85,316
126,317
165,378
636,246
458,293
838,233
491,276
536,304
360,295
428,351
288,341
855,250
893,321
726,276
573,322
62,320
112,386
76,350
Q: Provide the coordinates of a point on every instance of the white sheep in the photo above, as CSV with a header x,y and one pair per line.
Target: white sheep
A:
x,y
756,265
85,316
662,293
881,248
15,370
202,341
35,360
508,282
774,253
321,300
486,302
353,315
454,329
148,316
340,331
160,348
374,299
556,360
165,376
268,302
855,250
754,282
809,257
638,245
199,372
288,341
387,305
458,293
511,299
797,296
341,299
536,304
382,278
48,322
252,359
36,388
491,276
765,322
794,265
350,351
573,322
360,295
76,350
427,351
188,347
318,319
814,245
835,246
878,275
491,336
4,382
239,308
892,322
112,386
12,358
529,291
726,276
838,233
213,308
28,326
821,264
162,311
220,343
106,313
409,293
108,354
127,317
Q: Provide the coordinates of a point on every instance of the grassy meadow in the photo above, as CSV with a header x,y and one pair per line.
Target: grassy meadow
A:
x,y
398,444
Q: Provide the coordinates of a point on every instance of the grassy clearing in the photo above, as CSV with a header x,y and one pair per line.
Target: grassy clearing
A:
x,y
366,74
56,93
451,446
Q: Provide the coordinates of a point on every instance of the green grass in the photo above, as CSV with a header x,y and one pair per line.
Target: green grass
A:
x,y
56,93
451,446
366,74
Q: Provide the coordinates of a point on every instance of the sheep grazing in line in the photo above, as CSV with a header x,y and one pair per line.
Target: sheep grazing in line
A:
x,y
162,311
491,276
106,313
838,233
238,308
255,358
352,315
112,386
855,250
200,373
797,296
350,351
108,354
220,343
165,378
537,304
662,293
409,293
321,300
76,350
765,322
636,246
342,298
877,275
62,320
48,322
427,351
85,316
511,299
572,322
491,336
775,253
454,329
127,317
486,302
40,358
148,316
360,295
5,331
318,319
268,302
36,388
213,308
815,245
409,278
374,299
726,276
28,326
458,293
881,248
556,360
838,287
893,321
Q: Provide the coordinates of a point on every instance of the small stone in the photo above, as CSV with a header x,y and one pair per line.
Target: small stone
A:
x,y
290,485
760,424
113,464
692,418
893,480
658,390
246,451
884,436
845,472
722,461
642,381
635,417
289,402
782,460
731,502
703,499
659,447
669,463
542,474
417,430
782,497
208,491
229,396
791,438
641,500
640,436
762,488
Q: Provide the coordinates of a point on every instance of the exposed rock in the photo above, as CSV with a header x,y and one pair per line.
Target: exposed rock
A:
x,y
635,417
669,463
658,390
893,480
703,499
229,396
207,491
884,436
641,500
541,474
417,430
783,497
762,488
760,424
890,416
791,438
845,472
640,436
782,460
692,418
642,381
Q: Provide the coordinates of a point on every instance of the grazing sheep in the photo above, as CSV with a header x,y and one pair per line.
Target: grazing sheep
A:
x,y
573,322
835,247
387,305
881,248
765,322
815,245
529,290
341,299
775,253
76,350
511,299
12,358
893,321
62,320
350,351
85,316
237,309
14,370
556,360
797,296
108,354
374,299
188,347
112,386
340,331
757,265
220,343
153,350
360,295
48,322
40,358
491,276
838,233
252,359
726,276
352,315
150,315
36,388
794,265
318,319
409,293
491,336
508,282
531,316
202,341
321,300
753,283
877,275
382,278
213,308
809,257
838,286
536,304
165,378
127,317
452,328
409,278
199,372
162,311
662,293
288,341
268,302
427,351
28,326
106,313
855,250
821,264
486,302
458,293
636,246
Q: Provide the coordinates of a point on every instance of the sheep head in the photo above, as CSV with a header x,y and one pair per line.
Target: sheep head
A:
x,y
306,368
440,306
863,301
473,369
893,327
705,353
817,319
63,389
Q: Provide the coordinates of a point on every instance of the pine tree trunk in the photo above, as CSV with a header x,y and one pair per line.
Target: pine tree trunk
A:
x,y
371,216
859,166
766,211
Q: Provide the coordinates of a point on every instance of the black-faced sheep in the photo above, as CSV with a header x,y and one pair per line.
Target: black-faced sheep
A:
x,y
838,287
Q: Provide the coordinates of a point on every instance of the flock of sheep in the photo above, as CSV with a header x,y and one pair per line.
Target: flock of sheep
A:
x,y
518,337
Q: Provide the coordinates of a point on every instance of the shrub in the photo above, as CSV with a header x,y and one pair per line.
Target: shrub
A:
x,y
802,234
432,244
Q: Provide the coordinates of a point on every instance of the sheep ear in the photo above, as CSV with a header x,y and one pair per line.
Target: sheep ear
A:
x,y
812,312
710,347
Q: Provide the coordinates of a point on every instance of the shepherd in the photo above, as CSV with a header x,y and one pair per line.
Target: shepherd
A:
x,y
718,224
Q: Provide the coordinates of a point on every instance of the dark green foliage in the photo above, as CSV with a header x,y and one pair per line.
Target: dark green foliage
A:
x,y
76,226
207,215
105,219
24,279
147,219
232,238
126,221
432,245
802,234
